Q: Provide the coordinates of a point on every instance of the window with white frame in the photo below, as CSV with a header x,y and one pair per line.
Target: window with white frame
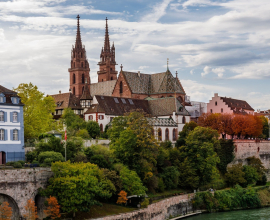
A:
x,y
101,117
1,99
15,116
15,135
15,101
2,134
2,116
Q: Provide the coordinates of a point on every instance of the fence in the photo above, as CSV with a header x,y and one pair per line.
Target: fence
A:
x,y
15,156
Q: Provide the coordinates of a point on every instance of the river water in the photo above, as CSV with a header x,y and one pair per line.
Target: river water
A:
x,y
251,214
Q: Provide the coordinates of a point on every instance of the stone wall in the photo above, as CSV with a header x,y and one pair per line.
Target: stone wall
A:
x,y
249,148
162,210
21,185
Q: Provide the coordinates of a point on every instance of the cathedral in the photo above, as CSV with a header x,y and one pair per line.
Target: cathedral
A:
x,y
161,95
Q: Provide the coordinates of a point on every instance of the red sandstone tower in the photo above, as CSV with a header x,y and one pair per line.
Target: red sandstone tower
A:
x,y
79,70
107,60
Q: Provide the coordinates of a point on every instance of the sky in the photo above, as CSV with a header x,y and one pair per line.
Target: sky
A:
x,y
216,46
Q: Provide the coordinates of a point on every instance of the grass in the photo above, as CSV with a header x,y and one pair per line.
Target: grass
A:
x,y
100,211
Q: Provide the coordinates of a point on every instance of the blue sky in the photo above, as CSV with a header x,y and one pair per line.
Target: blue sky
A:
x,y
216,46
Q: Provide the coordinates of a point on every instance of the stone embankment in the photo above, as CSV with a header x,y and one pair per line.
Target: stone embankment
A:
x,y
161,210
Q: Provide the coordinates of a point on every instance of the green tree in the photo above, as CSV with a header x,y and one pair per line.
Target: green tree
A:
x,y
225,154
251,175
131,183
74,146
265,133
37,110
83,133
258,165
235,175
72,121
170,177
199,157
188,127
78,186
93,129
133,143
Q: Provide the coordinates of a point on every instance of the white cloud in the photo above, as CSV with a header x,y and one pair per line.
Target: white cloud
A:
x,y
191,72
219,71
206,70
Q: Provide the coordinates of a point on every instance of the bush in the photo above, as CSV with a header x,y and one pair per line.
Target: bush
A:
x,y
251,175
35,162
263,181
22,162
80,157
145,203
161,185
93,129
54,156
74,146
170,177
83,133
100,161
17,165
48,161
10,163
30,156
235,175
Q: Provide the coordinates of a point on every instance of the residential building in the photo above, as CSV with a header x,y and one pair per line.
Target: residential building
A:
x,y
11,126
220,104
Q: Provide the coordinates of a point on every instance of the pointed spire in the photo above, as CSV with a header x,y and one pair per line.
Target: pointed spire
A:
x,y
167,64
121,67
176,74
107,40
78,43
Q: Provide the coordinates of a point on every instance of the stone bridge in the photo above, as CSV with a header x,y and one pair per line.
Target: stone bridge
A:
x,y
19,185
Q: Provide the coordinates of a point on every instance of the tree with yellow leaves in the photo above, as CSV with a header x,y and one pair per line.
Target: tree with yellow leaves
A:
x,y
31,210
53,209
5,211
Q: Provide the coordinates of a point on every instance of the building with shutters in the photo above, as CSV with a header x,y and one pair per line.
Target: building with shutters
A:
x,y
11,126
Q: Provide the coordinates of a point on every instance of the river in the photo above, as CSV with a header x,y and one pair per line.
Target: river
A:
x,y
251,214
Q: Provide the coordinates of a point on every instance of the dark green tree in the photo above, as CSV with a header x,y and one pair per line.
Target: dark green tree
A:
x,y
93,129
188,127
235,175
225,153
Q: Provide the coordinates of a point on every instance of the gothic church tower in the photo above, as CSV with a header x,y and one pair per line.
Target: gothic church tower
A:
x,y
107,60
79,70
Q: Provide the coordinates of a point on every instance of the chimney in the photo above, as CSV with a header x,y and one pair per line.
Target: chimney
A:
x,y
216,94
59,91
139,73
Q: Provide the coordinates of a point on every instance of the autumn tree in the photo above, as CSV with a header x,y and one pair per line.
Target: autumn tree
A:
x,y
122,199
53,208
37,110
5,211
31,210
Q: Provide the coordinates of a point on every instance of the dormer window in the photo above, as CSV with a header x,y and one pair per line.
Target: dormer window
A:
x,y
14,100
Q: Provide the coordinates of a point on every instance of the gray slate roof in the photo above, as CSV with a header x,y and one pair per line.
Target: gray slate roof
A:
x,y
102,88
167,122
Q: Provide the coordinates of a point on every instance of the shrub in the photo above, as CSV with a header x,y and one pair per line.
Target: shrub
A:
x,y
93,129
30,156
54,156
10,163
74,146
80,157
251,175
145,203
263,181
235,175
17,165
83,133
22,162
48,161
170,177
100,161
35,162
161,185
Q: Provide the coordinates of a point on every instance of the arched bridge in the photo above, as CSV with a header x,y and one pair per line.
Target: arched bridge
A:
x,y
19,185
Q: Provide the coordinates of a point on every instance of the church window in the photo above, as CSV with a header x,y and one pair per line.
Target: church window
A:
x,y
183,120
174,134
101,127
111,78
167,134
159,134
82,89
73,90
211,110
83,78
74,65
121,87
74,79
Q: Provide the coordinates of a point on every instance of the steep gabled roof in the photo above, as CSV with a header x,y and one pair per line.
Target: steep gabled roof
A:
x,y
86,93
141,83
66,100
102,88
237,105
5,90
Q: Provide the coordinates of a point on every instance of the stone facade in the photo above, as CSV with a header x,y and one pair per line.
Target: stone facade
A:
x,y
19,185
158,211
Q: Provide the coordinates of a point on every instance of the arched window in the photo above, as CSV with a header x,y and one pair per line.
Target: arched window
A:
x,y
159,134
174,134
73,90
101,127
82,89
82,64
83,78
167,134
15,135
111,78
121,87
2,134
90,117
74,79
183,120
74,65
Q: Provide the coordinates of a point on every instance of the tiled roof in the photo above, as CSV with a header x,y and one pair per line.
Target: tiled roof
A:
x,y
86,93
167,122
95,108
142,83
5,90
166,106
119,106
102,88
8,94
237,105
66,100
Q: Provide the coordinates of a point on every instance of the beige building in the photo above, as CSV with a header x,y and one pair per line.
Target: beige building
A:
x,y
220,104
